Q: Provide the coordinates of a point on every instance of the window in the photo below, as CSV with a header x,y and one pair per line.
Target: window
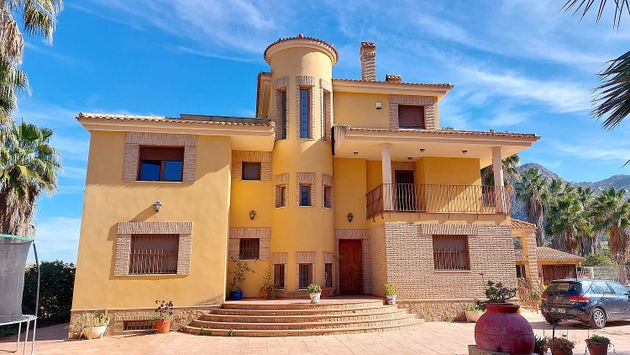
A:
x,y
410,116
278,276
153,254
520,271
281,196
305,113
248,248
328,275
328,196
306,275
305,195
450,252
618,288
161,164
600,287
282,106
251,171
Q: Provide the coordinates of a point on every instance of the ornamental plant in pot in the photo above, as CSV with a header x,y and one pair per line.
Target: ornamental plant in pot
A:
x,y
561,346
238,272
314,292
597,345
268,289
390,293
93,325
474,311
501,328
541,345
163,316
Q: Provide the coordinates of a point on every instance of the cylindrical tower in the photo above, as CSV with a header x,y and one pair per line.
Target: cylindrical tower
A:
x,y
303,220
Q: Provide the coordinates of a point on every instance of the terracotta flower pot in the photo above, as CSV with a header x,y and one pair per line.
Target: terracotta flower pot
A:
x,y
501,328
596,348
561,352
327,291
163,325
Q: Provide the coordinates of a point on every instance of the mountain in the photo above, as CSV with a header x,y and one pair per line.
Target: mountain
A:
x,y
617,181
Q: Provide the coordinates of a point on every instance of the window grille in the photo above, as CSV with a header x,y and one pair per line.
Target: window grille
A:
x,y
278,276
306,275
450,252
249,248
153,254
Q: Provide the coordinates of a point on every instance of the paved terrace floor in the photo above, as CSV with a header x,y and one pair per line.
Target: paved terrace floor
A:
x,y
428,338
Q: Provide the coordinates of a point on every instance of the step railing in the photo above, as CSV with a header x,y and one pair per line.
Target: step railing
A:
x,y
434,198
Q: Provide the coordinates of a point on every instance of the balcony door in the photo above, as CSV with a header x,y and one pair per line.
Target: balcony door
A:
x,y
405,191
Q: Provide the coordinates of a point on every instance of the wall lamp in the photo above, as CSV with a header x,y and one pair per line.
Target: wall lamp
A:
x,y
252,215
157,205
350,217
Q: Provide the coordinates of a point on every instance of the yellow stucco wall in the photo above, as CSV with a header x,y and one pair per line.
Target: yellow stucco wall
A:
x,y
449,171
359,110
108,200
350,187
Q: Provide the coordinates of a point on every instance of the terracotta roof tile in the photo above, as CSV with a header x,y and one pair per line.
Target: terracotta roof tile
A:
x,y
519,224
445,132
184,118
550,254
440,85
301,37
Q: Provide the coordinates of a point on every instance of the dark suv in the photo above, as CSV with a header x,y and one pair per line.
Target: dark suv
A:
x,y
588,300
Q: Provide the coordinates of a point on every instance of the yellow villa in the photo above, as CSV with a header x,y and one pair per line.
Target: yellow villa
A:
x,y
347,183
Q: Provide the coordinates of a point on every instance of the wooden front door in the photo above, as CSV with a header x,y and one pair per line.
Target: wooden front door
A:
x,y
350,267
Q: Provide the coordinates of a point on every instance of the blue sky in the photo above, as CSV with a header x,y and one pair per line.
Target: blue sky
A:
x,y
517,65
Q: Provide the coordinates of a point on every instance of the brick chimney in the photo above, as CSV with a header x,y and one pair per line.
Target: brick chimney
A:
x,y
368,61
393,78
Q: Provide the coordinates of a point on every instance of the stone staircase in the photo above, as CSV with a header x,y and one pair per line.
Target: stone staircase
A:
x,y
300,318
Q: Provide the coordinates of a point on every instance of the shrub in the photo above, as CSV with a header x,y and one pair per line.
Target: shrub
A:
x,y
94,319
599,339
314,288
497,293
390,289
601,258
55,293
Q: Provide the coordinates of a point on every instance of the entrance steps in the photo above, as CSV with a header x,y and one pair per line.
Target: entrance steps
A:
x,y
301,318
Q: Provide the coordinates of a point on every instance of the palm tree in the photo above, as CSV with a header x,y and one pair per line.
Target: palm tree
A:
x,y
28,166
568,220
612,96
611,211
586,197
38,18
510,173
533,191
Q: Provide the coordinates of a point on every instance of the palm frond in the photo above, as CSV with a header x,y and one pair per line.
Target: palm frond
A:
x,y
585,6
612,98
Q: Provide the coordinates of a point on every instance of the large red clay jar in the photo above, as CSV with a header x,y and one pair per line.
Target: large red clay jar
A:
x,y
501,328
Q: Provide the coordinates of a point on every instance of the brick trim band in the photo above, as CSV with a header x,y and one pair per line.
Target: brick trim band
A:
x,y
240,156
262,233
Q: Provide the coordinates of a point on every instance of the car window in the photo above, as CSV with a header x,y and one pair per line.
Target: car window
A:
x,y
618,288
563,287
600,287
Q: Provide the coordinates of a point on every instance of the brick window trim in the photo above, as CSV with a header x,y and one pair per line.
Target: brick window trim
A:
x,y
306,178
305,257
261,233
466,240
305,82
281,84
327,181
125,230
241,156
325,92
427,101
135,140
279,181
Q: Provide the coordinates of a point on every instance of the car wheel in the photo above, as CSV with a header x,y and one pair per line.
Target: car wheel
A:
x,y
550,320
598,318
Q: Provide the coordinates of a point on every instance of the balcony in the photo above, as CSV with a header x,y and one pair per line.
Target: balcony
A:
x,y
406,197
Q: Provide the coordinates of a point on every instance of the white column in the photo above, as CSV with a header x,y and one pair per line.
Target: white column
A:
x,y
386,170
497,170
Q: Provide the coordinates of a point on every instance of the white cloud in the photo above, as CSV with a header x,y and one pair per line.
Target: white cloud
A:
x,y
57,238
611,150
506,117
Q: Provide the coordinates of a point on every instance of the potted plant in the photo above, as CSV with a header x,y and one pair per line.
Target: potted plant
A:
x,y
541,345
390,293
501,326
473,311
597,345
163,316
314,292
561,346
239,273
327,291
268,289
94,325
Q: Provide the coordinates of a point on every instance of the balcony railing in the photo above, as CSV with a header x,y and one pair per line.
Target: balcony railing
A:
x,y
404,197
